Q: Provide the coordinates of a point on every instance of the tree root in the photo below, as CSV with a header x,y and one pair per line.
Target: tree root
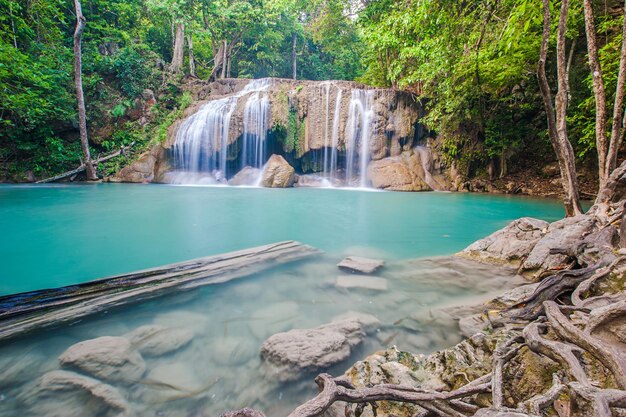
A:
x,y
552,287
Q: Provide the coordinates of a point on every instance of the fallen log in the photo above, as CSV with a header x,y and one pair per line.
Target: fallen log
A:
x,y
82,167
21,313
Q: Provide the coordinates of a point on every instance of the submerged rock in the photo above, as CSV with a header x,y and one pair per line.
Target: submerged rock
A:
x,y
287,356
508,245
359,264
109,358
155,340
67,394
312,181
361,281
277,173
247,176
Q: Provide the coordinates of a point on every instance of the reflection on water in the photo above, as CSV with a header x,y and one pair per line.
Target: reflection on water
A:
x,y
220,368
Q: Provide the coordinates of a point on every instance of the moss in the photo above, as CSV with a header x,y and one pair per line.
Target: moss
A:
x,y
292,137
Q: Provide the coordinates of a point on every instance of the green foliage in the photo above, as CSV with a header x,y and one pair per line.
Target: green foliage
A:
x,y
166,122
476,63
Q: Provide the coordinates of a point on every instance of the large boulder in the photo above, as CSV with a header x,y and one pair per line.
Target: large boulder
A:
x,y
277,173
509,245
395,174
287,356
67,394
108,357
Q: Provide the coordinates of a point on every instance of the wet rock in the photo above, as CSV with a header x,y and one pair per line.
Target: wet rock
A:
x,y
288,356
513,296
277,173
359,264
509,245
312,181
368,321
247,176
67,394
563,235
109,358
233,351
361,281
473,324
155,340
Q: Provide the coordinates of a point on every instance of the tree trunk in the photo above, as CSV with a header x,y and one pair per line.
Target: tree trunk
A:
x,y
80,97
294,63
598,92
224,59
229,59
618,107
557,127
192,62
218,62
178,55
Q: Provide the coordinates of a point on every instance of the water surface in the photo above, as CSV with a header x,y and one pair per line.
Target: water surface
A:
x,y
60,235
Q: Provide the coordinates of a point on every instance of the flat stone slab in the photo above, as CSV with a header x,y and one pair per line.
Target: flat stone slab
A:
x,y
361,281
362,265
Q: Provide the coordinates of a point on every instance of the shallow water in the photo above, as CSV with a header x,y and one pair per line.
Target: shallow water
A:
x,y
61,235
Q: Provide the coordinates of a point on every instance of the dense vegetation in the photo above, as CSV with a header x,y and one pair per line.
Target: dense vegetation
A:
x,y
473,62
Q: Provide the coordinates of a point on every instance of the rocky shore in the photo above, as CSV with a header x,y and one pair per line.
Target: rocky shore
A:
x,y
555,346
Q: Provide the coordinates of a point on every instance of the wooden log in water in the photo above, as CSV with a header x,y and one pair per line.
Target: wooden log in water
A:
x,y
22,313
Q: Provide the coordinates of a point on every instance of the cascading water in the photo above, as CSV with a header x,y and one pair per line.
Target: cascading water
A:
x,y
255,125
331,133
335,138
201,135
358,133
201,146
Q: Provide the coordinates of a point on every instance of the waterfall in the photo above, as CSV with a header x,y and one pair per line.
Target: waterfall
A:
x,y
202,134
358,133
202,141
335,137
327,144
255,125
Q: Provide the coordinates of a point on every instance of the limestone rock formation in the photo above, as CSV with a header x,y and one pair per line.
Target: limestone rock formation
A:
x,y
360,264
67,394
509,245
109,358
405,172
155,340
289,356
277,173
143,169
